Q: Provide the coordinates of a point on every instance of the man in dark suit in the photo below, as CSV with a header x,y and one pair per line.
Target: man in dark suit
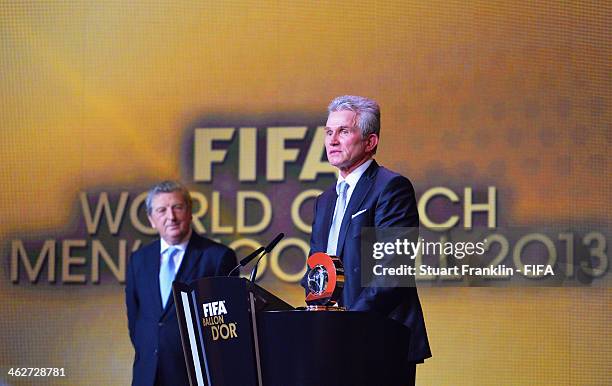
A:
x,y
366,195
179,255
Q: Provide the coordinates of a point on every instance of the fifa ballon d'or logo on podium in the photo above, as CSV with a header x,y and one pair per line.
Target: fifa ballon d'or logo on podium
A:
x,y
325,282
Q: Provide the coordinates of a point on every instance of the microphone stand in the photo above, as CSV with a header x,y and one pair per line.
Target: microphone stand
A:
x,y
267,250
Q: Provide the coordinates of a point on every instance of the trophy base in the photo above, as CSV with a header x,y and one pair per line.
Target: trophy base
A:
x,y
325,308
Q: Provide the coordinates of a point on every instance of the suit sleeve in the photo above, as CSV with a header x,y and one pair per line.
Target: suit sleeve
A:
x,y
131,298
396,207
313,248
227,263
313,244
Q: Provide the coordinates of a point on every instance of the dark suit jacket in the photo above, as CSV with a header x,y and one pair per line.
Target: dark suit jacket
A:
x,y
154,331
387,200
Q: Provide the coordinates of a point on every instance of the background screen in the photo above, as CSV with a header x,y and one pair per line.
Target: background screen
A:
x,y
101,100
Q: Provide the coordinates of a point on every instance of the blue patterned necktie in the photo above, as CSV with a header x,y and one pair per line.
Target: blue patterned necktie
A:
x,y
166,275
334,231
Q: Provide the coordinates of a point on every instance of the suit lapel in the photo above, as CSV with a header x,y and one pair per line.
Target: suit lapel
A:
x,y
152,272
189,259
328,204
364,185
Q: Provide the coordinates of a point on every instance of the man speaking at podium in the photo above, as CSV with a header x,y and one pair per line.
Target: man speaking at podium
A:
x,y
180,255
366,195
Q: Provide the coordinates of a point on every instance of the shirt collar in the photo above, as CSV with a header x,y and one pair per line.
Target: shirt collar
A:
x,y
356,174
163,245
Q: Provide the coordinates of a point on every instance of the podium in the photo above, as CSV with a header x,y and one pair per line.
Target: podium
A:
x,y
237,333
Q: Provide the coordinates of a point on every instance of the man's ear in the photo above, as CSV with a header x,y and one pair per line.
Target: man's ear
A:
x,y
371,142
151,221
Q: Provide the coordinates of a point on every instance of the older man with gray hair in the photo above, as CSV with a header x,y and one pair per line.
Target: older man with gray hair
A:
x,y
180,254
366,195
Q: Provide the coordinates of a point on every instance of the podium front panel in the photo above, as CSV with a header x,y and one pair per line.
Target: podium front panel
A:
x,y
223,311
332,348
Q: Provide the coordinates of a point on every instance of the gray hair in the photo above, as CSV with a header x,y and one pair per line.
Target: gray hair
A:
x,y
167,187
367,110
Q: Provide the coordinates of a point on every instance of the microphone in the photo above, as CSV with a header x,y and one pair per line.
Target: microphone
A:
x,y
247,259
273,243
267,250
250,257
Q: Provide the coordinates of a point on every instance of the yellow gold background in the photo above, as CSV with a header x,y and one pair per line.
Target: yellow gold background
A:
x,y
512,94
